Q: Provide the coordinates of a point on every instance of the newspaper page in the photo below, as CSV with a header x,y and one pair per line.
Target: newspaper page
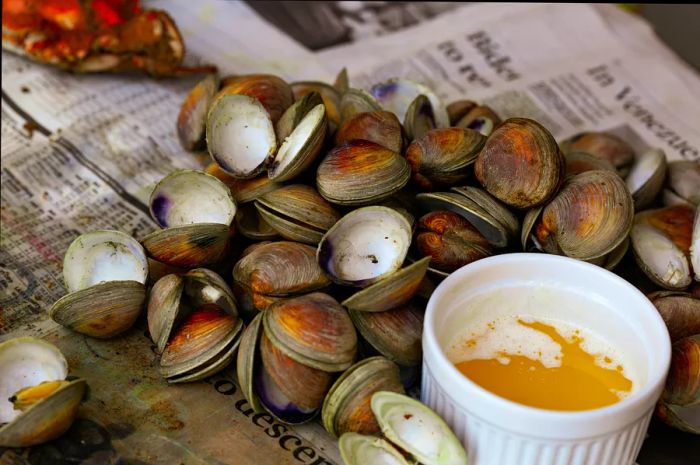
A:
x,y
82,152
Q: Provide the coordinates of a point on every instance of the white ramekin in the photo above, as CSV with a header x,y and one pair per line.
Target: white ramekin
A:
x,y
496,431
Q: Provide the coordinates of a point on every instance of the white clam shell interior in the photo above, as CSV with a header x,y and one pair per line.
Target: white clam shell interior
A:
x,y
365,244
240,134
660,255
26,362
189,197
295,142
396,95
645,167
358,449
101,256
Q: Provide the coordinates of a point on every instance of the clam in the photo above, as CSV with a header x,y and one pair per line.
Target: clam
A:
x,y
240,135
105,274
396,95
251,224
578,162
494,230
359,449
342,81
661,240
243,190
683,183
295,113
680,401
298,213
589,217
391,292
495,209
529,220
458,109
646,178
301,147
395,333
354,101
37,404
380,127
272,92
248,359
420,118
417,429
329,94
602,145
274,271
449,240
273,400
346,406
481,118
442,157
361,172
680,311
313,330
191,121
196,210
695,245
364,246
520,164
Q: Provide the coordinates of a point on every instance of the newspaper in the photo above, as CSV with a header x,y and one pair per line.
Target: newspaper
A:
x,y
82,152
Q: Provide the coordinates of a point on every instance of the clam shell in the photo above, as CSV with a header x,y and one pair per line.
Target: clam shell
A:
x,y
354,101
492,206
295,113
578,162
164,308
208,369
683,183
695,245
157,270
520,164
391,292
358,449
272,92
302,385
681,418
240,135
646,178
361,172
329,95
602,145
680,311
251,224
660,259
481,118
396,95
590,216
364,246
395,333
243,190
26,362
420,118
442,157
298,213
103,310
493,230
188,246
276,403
203,286
47,419
458,109
342,81
380,127
346,406
531,218
248,360
276,270
417,429
203,337
683,381
314,330
102,256
186,197
191,121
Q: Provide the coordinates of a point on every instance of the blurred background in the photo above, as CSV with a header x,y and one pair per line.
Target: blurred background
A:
x,y
677,25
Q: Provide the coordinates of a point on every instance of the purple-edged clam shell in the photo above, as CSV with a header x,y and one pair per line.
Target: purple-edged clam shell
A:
x,y
277,403
396,95
187,197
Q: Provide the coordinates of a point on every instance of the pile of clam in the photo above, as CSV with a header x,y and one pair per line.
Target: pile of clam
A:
x,y
306,251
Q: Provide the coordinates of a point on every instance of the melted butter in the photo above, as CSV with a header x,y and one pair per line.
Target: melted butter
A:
x,y
573,379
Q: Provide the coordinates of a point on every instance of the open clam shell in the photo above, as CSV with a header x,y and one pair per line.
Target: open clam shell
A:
x,y
358,449
442,157
274,271
458,109
602,145
243,190
251,224
394,333
646,177
380,127
361,172
298,213
481,118
301,147
493,207
346,407
420,118
295,113
578,162
391,292
396,95
164,308
529,220
272,92
365,246
191,121
188,246
683,183
680,311
248,360
354,101
417,429
314,330
240,135
329,95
